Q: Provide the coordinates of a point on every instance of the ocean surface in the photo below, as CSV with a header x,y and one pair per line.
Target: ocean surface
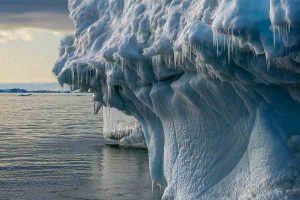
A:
x,y
51,147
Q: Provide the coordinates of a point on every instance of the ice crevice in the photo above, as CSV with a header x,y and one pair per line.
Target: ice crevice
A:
x,y
213,85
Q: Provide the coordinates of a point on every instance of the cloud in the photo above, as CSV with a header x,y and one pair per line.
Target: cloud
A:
x,y
22,6
18,17
15,35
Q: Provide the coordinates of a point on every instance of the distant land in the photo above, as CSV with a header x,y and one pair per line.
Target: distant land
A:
x,y
20,90
33,86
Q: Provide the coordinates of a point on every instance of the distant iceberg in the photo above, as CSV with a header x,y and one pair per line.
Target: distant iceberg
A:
x,y
215,85
126,130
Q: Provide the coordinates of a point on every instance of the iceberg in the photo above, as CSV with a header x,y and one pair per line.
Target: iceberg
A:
x,y
126,130
214,84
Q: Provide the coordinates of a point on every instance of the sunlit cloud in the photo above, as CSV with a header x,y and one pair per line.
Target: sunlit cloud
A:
x,y
30,31
15,35
25,34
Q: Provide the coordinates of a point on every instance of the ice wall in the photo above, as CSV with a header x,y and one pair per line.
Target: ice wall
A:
x,y
214,84
124,129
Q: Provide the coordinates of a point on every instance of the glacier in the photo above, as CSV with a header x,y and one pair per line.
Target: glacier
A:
x,y
215,85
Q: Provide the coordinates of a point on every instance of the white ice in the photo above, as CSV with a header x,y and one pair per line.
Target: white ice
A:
x,y
124,129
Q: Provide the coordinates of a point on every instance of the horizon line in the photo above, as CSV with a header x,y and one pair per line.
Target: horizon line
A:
x,y
39,82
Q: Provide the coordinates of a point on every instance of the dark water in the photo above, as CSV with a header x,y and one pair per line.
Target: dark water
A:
x,y
51,147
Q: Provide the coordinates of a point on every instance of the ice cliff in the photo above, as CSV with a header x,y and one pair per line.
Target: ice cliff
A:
x,y
214,84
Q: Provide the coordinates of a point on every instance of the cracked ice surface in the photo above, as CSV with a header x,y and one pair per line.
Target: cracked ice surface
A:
x,y
214,84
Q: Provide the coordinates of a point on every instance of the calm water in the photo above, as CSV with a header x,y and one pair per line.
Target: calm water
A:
x,y
51,147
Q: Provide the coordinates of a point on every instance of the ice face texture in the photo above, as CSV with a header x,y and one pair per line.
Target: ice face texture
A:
x,y
214,83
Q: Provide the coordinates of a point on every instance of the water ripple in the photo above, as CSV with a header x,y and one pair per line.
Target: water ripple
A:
x,y
51,147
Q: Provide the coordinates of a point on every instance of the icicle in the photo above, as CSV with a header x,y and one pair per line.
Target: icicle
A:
x,y
160,190
274,36
78,77
152,187
72,79
97,106
269,62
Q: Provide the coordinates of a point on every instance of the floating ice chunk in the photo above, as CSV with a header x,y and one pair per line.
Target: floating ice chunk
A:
x,y
124,129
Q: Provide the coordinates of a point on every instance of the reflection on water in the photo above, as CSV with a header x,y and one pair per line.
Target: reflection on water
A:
x,y
51,147
118,174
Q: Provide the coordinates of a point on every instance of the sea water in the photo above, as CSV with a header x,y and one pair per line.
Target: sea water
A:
x,y
51,147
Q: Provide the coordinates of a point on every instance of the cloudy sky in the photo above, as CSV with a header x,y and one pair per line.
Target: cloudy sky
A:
x,y
30,31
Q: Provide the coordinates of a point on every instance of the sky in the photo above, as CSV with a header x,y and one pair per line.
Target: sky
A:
x,y
30,31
